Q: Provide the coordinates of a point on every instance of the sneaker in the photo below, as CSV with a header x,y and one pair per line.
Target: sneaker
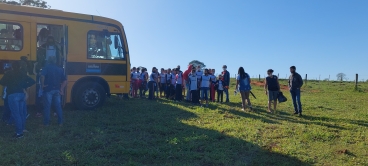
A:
x,y
25,131
296,113
300,114
242,109
17,136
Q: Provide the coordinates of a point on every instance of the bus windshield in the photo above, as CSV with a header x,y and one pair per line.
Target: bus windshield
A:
x,y
101,46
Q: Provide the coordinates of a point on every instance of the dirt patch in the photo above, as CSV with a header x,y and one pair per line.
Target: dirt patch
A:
x,y
261,84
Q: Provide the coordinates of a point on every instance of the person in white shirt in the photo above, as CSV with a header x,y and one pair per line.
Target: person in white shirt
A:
x,y
179,85
205,86
134,77
152,84
220,89
173,84
163,80
168,83
193,86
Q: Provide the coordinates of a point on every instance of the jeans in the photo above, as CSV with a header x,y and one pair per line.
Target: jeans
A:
x,y
194,94
52,97
220,95
204,93
227,94
17,106
295,95
151,90
187,86
178,92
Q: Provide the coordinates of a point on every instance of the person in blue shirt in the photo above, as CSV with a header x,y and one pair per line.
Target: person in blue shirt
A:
x,y
53,82
205,81
243,83
152,83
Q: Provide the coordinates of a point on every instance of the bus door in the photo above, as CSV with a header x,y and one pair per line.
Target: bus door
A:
x,y
15,38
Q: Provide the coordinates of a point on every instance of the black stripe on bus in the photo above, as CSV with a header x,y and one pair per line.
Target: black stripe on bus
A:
x,y
83,68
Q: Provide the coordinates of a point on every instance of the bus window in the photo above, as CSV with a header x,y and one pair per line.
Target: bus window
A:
x,y
101,46
11,37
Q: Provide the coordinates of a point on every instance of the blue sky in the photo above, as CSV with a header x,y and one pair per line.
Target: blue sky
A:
x,y
320,38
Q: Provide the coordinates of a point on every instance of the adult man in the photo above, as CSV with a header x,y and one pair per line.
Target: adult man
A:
x,y
49,49
53,82
295,83
226,82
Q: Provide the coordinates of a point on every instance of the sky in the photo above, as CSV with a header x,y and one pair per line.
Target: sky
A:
x,y
320,38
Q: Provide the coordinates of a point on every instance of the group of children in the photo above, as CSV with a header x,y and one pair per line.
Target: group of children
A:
x,y
197,84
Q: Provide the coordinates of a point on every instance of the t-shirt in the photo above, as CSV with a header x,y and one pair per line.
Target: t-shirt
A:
x,y
205,81
54,76
15,82
50,51
272,83
153,77
143,76
163,78
244,82
220,85
193,81
173,79
135,75
199,73
213,78
179,78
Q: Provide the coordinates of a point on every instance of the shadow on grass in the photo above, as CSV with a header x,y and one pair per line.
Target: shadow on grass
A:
x,y
135,132
153,134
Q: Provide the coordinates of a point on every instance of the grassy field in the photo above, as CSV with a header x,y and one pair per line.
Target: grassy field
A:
x,y
333,131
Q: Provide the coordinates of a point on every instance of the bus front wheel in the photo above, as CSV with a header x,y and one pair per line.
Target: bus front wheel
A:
x,y
89,95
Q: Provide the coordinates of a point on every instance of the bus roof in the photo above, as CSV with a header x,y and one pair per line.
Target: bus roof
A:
x,y
40,12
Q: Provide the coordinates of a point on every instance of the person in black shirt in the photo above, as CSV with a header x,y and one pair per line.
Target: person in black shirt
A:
x,y
17,82
272,88
295,83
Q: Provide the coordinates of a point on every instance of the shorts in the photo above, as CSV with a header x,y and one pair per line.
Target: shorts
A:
x,y
204,93
272,95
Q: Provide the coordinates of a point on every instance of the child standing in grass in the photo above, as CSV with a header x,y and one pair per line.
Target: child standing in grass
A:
x,y
272,89
168,83
173,84
193,86
163,79
220,89
179,85
205,86
243,83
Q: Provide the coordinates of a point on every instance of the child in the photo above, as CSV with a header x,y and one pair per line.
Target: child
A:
x,y
205,86
143,83
193,86
152,84
135,82
168,83
179,85
163,79
173,84
220,89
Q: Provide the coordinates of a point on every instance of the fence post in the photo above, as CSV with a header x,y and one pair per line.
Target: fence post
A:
x,y
259,78
306,79
278,75
356,81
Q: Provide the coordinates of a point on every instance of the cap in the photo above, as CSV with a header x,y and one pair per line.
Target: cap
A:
x,y
270,70
224,66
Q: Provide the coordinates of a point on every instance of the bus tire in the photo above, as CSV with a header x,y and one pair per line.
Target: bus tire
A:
x,y
89,96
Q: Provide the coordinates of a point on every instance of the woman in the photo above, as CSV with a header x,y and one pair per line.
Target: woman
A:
x,y
17,83
143,82
272,89
152,84
243,83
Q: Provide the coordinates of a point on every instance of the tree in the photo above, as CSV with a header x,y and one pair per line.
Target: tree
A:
x,y
36,3
196,63
341,76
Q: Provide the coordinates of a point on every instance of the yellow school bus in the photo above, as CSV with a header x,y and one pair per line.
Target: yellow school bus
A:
x,y
94,50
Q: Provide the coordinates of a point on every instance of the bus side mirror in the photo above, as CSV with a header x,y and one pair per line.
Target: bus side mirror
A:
x,y
116,42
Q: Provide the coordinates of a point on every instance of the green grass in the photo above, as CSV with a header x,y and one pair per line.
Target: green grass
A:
x,y
333,131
